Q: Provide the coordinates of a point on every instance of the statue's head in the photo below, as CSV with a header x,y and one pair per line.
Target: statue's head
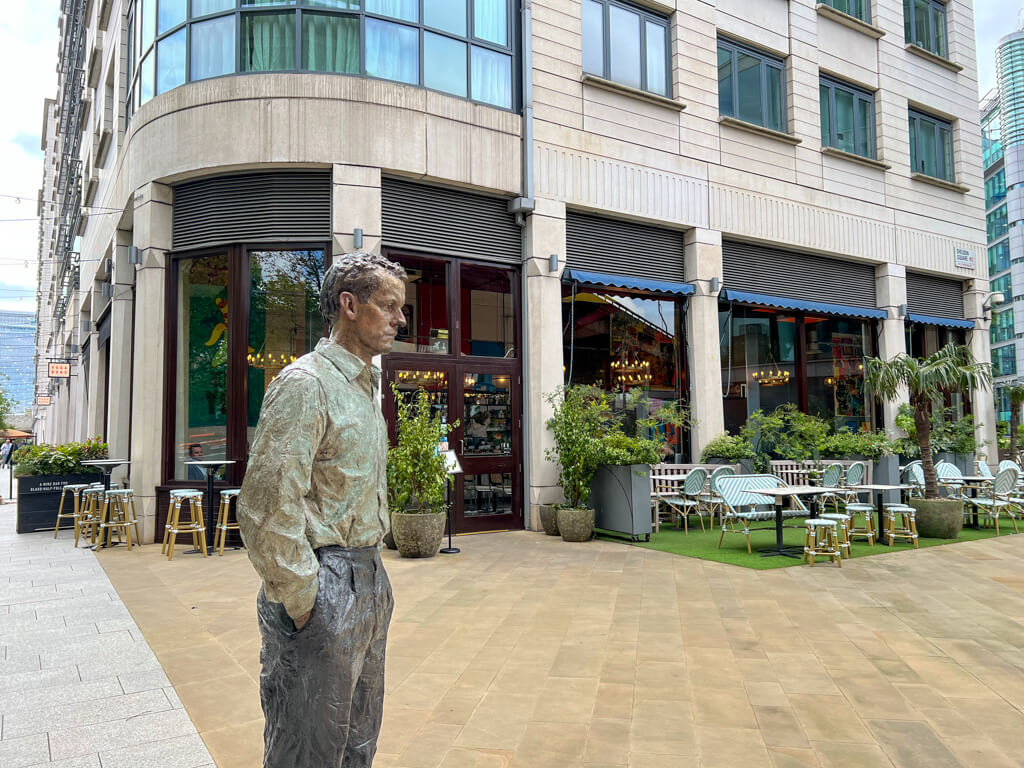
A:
x,y
362,298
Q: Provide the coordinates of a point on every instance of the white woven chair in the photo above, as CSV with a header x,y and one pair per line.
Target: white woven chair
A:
x,y
743,505
1000,497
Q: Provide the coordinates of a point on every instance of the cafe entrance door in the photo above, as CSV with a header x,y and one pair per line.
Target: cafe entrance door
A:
x,y
461,347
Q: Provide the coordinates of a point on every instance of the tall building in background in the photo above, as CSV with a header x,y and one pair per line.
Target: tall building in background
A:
x,y
1002,136
17,352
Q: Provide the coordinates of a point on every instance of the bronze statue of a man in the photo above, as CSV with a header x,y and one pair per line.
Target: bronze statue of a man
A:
x,y
313,512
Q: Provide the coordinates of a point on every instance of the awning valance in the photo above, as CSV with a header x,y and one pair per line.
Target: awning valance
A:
x,y
803,305
947,322
622,281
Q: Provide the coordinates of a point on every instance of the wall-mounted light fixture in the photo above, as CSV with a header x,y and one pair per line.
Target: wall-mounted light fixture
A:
x,y
716,284
134,255
901,310
994,299
553,262
357,238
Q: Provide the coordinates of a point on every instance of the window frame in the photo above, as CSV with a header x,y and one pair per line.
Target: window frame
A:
x,y
914,119
867,9
513,48
645,14
766,60
909,25
859,94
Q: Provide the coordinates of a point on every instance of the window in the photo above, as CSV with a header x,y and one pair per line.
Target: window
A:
x,y
859,9
996,224
1003,285
991,140
462,47
1004,361
847,118
924,25
931,146
283,323
1002,326
627,45
999,257
751,86
995,188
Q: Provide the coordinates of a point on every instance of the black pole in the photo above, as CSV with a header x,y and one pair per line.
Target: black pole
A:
x,y
449,550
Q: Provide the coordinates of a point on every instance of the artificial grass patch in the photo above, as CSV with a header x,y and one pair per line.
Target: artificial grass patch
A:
x,y
704,544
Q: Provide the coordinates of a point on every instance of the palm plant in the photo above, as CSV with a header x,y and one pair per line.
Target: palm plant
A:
x,y
951,369
1016,394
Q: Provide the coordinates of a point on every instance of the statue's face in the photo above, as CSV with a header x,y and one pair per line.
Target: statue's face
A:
x,y
377,321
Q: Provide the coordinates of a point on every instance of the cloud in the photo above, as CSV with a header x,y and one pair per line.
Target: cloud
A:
x,y
29,142
993,19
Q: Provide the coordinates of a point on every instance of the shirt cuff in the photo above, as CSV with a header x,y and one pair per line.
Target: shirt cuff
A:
x,y
300,603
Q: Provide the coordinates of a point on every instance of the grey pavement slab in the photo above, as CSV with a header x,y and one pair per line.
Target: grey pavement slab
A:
x,y
79,685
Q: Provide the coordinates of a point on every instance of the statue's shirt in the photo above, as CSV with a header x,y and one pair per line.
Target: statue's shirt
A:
x,y
317,471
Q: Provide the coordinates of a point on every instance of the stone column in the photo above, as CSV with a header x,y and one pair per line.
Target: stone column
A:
x,y
356,205
891,294
94,383
152,236
545,235
982,400
703,262
121,306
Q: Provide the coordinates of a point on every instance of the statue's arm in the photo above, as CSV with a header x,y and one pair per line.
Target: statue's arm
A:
x,y
271,513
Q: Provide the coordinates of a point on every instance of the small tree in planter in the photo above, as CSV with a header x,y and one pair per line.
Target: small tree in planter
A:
x,y
417,476
951,369
578,423
727,449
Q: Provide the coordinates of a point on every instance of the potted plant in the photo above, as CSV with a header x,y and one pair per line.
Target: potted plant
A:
x,y
417,476
864,445
727,449
43,471
1015,393
578,422
951,369
621,487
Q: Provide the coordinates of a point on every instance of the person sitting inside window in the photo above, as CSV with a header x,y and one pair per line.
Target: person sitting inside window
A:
x,y
195,453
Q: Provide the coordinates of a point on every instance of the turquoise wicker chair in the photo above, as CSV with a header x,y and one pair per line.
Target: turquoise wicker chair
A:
x,y
743,505
688,502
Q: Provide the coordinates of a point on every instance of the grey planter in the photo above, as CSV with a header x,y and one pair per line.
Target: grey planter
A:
x,y
939,518
39,498
417,535
576,523
621,497
885,470
549,519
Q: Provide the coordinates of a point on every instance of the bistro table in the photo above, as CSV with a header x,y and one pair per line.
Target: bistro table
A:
x,y
781,493
975,483
210,467
880,490
106,466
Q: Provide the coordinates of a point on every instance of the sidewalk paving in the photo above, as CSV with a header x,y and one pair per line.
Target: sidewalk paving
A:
x,y
527,652
79,685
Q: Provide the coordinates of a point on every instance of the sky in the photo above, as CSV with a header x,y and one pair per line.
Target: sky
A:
x,y
28,54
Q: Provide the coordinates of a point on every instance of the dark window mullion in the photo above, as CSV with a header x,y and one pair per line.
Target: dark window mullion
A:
x,y
643,52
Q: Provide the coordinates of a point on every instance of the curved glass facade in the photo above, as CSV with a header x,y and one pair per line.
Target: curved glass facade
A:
x,y
1010,73
464,48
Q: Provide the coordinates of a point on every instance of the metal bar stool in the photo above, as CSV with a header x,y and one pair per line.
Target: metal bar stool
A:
x,y
223,519
76,493
193,526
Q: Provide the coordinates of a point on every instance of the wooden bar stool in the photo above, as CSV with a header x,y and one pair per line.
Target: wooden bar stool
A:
x,y
844,522
821,541
76,494
223,519
194,524
900,523
120,517
91,512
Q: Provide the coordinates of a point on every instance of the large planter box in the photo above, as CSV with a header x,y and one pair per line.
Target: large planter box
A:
x,y
621,498
885,470
39,498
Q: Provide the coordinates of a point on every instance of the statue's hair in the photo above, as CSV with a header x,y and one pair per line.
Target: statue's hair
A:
x,y
358,273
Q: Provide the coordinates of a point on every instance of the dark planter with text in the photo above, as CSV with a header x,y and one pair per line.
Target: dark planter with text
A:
x,y
39,498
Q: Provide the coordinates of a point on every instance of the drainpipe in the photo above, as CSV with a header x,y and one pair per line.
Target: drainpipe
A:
x,y
522,207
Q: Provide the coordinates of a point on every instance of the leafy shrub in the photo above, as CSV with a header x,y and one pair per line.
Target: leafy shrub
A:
x,y
578,423
785,433
616,447
416,470
731,448
949,433
63,459
848,443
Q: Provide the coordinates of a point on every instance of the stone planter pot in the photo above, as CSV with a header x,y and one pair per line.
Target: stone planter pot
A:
x,y
549,519
939,518
417,535
576,523
389,540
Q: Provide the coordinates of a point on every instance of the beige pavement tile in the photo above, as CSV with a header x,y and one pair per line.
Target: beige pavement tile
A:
x,y
826,717
911,745
607,741
499,721
647,760
982,752
792,757
779,727
726,706
614,701
663,727
222,702
845,755
730,746
566,700
461,757
237,746
766,694
429,747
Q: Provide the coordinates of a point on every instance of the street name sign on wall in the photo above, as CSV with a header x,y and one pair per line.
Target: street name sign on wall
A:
x,y
964,258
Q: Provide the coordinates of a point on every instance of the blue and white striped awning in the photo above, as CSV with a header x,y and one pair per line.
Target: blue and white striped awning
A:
x,y
947,322
780,302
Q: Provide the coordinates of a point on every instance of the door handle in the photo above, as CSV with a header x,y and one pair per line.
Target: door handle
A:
x,y
462,446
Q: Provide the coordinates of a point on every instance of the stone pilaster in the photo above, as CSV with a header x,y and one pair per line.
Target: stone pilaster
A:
x,y
121,307
982,400
703,263
891,295
356,205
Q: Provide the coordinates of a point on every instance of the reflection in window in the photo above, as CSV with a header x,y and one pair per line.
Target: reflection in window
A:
x,y
330,43
487,312
213,48
444,64
171,59
446,15
489,494
172,13
625,344
284,316
995,188
487,414
847,118
202,355
492,77
931,146
924,25
490,21
751,86
996,223
835,371
406,10
626,44
426,307
392,51
435,383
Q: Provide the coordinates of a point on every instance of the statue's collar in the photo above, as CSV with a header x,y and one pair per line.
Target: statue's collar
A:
x,y
350,365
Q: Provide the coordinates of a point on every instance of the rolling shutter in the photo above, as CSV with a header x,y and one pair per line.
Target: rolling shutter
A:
x,y
935,296
276,206
772,271
623,247
448,221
